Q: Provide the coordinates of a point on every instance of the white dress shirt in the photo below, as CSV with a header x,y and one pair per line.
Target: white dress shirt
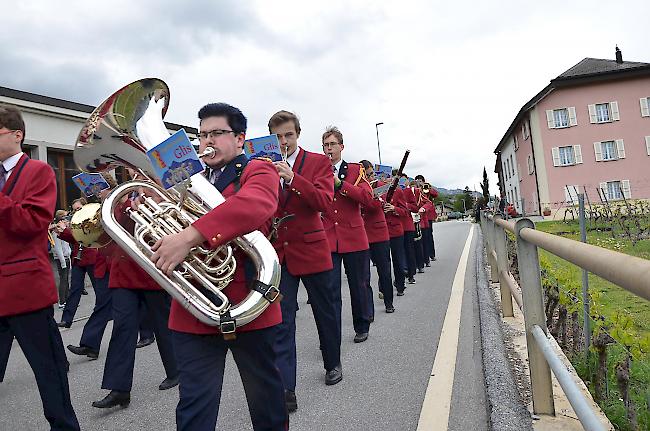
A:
x,y
10,164
291,160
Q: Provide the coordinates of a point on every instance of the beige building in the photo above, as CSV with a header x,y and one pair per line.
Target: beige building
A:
x,y
52,126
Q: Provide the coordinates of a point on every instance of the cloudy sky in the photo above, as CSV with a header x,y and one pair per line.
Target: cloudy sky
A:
x,y
445,78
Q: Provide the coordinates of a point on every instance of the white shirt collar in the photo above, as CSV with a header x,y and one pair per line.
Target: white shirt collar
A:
x,y
292,158
11,163
338,166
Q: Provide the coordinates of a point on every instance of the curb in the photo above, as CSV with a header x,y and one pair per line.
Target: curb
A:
x,y
505,407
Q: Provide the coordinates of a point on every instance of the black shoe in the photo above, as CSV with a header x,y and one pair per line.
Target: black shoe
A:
x,y
290,400
145,342
400,293
361,337
334,375
308,301
411,280
114,398
434,258
84,292
168,383
428,265
420,270
371,319
63,324
391,309
83,351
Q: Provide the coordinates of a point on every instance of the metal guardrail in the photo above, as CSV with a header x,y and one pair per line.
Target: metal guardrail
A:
x,y
629,272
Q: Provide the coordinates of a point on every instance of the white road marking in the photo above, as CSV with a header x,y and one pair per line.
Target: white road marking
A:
x,y
434,415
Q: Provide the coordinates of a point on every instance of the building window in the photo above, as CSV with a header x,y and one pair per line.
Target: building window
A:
x,y
561,118
516,141
531,165
64,169
512,166
603,112
566,156
609,150
645,106
614,190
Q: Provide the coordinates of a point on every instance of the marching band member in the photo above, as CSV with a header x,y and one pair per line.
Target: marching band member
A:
x,y
379,241
395,211
91,336
306,191
27,288
131,286
410,205
347,237
251,193
83,262
419,215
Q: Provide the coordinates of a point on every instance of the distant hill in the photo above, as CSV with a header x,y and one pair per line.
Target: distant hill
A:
x,y
444,191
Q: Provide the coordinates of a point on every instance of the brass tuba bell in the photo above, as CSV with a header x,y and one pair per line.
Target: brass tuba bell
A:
x,y
119,133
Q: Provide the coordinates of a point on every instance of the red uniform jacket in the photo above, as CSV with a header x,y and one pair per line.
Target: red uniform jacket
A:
x,y
410,205
342,220
301,242
432,214
124,272
375,221
88,255
394,218
251,208
27,203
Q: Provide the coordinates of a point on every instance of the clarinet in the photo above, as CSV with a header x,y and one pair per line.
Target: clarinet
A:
x,y
393,186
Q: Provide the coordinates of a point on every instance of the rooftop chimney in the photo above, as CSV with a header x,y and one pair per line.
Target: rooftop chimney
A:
x,y
619,55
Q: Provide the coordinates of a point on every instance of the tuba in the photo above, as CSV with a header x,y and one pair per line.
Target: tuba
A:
x,y
119,133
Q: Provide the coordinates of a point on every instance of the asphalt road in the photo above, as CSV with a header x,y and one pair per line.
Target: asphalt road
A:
x,y
384,380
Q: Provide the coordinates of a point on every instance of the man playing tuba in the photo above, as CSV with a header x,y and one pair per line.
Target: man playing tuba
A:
x,y
251,192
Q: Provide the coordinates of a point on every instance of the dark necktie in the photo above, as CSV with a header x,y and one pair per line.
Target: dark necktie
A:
x,y
3,173
214,176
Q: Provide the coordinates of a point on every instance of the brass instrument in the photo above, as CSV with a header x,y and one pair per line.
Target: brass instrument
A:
x,y
119,133
426,188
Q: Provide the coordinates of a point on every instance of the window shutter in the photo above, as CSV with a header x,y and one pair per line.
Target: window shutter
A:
x,y
556,156
549,119
613,107
603,188
573,120
647,144
620,148
598,150
577,154
519,171
645,109
625,188
530,164
592,114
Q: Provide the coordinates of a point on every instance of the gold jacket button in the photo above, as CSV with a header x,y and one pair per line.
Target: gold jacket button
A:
x,y
336,223
336,211
285,243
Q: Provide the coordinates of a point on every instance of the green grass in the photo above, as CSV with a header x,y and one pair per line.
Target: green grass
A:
x,y
630,313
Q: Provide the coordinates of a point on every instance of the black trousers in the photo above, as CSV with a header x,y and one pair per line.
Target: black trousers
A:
x,y
120,359
356,265
419,253
409,252
399,261
201,361
64,279
93,332
40,341
427,244
380,256
322,299
77,281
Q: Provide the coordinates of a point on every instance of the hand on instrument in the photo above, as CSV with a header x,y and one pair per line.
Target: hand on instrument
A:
x,y
389,207
171,250
284,170
421,210
60,226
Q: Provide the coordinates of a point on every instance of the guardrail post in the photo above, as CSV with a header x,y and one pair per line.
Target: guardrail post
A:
x,y
494,270
502,267
531,290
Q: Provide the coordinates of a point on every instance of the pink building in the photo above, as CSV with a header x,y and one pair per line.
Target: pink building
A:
x,y
587,131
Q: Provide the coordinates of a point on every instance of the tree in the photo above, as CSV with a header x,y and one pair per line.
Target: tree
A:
x,y
464,201
485,186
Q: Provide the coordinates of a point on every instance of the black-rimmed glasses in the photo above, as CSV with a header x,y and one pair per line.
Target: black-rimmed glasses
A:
x,y
214,133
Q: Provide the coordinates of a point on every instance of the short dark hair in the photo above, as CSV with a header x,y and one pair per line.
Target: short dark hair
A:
x,y
235,118
12,119
333,131
366,164
282,117
419,177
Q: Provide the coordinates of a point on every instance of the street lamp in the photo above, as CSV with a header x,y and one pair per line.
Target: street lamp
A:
x,y
377,130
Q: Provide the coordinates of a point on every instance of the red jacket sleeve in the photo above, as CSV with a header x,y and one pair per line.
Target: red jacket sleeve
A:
x,y
399,203
247,210
318,194
361,193
66,236
33,214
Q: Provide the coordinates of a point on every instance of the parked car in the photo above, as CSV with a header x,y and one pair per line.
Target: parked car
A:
x,y
454,215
